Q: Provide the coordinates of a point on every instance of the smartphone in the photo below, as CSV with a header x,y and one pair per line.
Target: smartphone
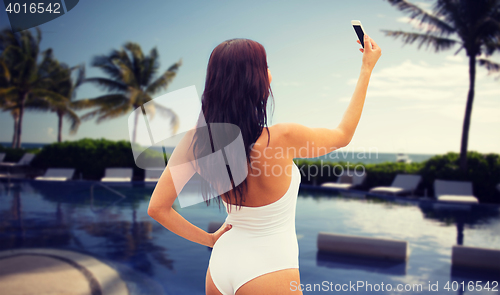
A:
x,y
358,28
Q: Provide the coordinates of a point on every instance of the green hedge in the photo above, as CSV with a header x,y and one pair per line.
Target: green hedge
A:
x,y
483,172
379,174
90,157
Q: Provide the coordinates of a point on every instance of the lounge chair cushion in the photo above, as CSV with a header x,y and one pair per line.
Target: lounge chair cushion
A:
x,y
337,185
459,198
44,178
115,179
117,175
388,189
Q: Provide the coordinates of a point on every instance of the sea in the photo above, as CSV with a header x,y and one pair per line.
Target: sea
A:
x,y
344,155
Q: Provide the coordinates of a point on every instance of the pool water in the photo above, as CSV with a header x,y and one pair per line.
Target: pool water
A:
x,y
113,225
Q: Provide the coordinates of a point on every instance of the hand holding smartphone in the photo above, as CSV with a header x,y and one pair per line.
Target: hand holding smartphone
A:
x,y
370,54
358,28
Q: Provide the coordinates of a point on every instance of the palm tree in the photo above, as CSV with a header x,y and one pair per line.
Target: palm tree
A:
x,y
476,26
61,82
24,79
130,85
7,102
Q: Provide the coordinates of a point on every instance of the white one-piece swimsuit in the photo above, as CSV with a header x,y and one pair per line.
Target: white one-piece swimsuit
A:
x,y
261,240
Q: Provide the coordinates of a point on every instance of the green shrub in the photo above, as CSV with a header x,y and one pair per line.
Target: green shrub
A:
x,y
482,170
90,157
380,174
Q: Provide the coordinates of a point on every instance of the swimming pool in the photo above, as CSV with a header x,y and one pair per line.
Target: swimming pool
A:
x,y
86,217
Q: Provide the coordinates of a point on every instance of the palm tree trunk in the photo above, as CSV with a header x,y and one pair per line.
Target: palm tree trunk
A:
x,y
14,136
20,123
468,112
59,127
135,126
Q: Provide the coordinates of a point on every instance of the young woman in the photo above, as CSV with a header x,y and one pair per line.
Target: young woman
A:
x,y
256,249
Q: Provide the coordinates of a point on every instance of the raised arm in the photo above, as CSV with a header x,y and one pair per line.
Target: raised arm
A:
x,y
308,142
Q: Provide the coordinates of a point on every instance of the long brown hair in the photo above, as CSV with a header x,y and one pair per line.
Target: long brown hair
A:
x,y
236,91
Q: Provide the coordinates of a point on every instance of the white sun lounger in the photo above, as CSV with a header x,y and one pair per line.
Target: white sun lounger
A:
x,y
24,161
57,174
454,191
346,181
152,175
117,175
403,183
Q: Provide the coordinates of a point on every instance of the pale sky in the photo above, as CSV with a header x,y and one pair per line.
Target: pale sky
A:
x,y
416,98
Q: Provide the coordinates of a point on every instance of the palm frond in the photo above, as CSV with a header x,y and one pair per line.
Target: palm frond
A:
x,y
164,80
11,53
128,76
106,64
151,66
101,101
174,118
38,105
424,16
38,36
115,113
8,91
135,49
11,108
80,78
137,61
491,41
439,43
103,110
90,115
464,16
6,38
137,97
121,57
108,84
74,119
47,60
489,65
5,71
82,104
49,95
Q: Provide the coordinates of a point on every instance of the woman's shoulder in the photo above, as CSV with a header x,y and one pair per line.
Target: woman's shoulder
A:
x,y
287,129
275,136
285,133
